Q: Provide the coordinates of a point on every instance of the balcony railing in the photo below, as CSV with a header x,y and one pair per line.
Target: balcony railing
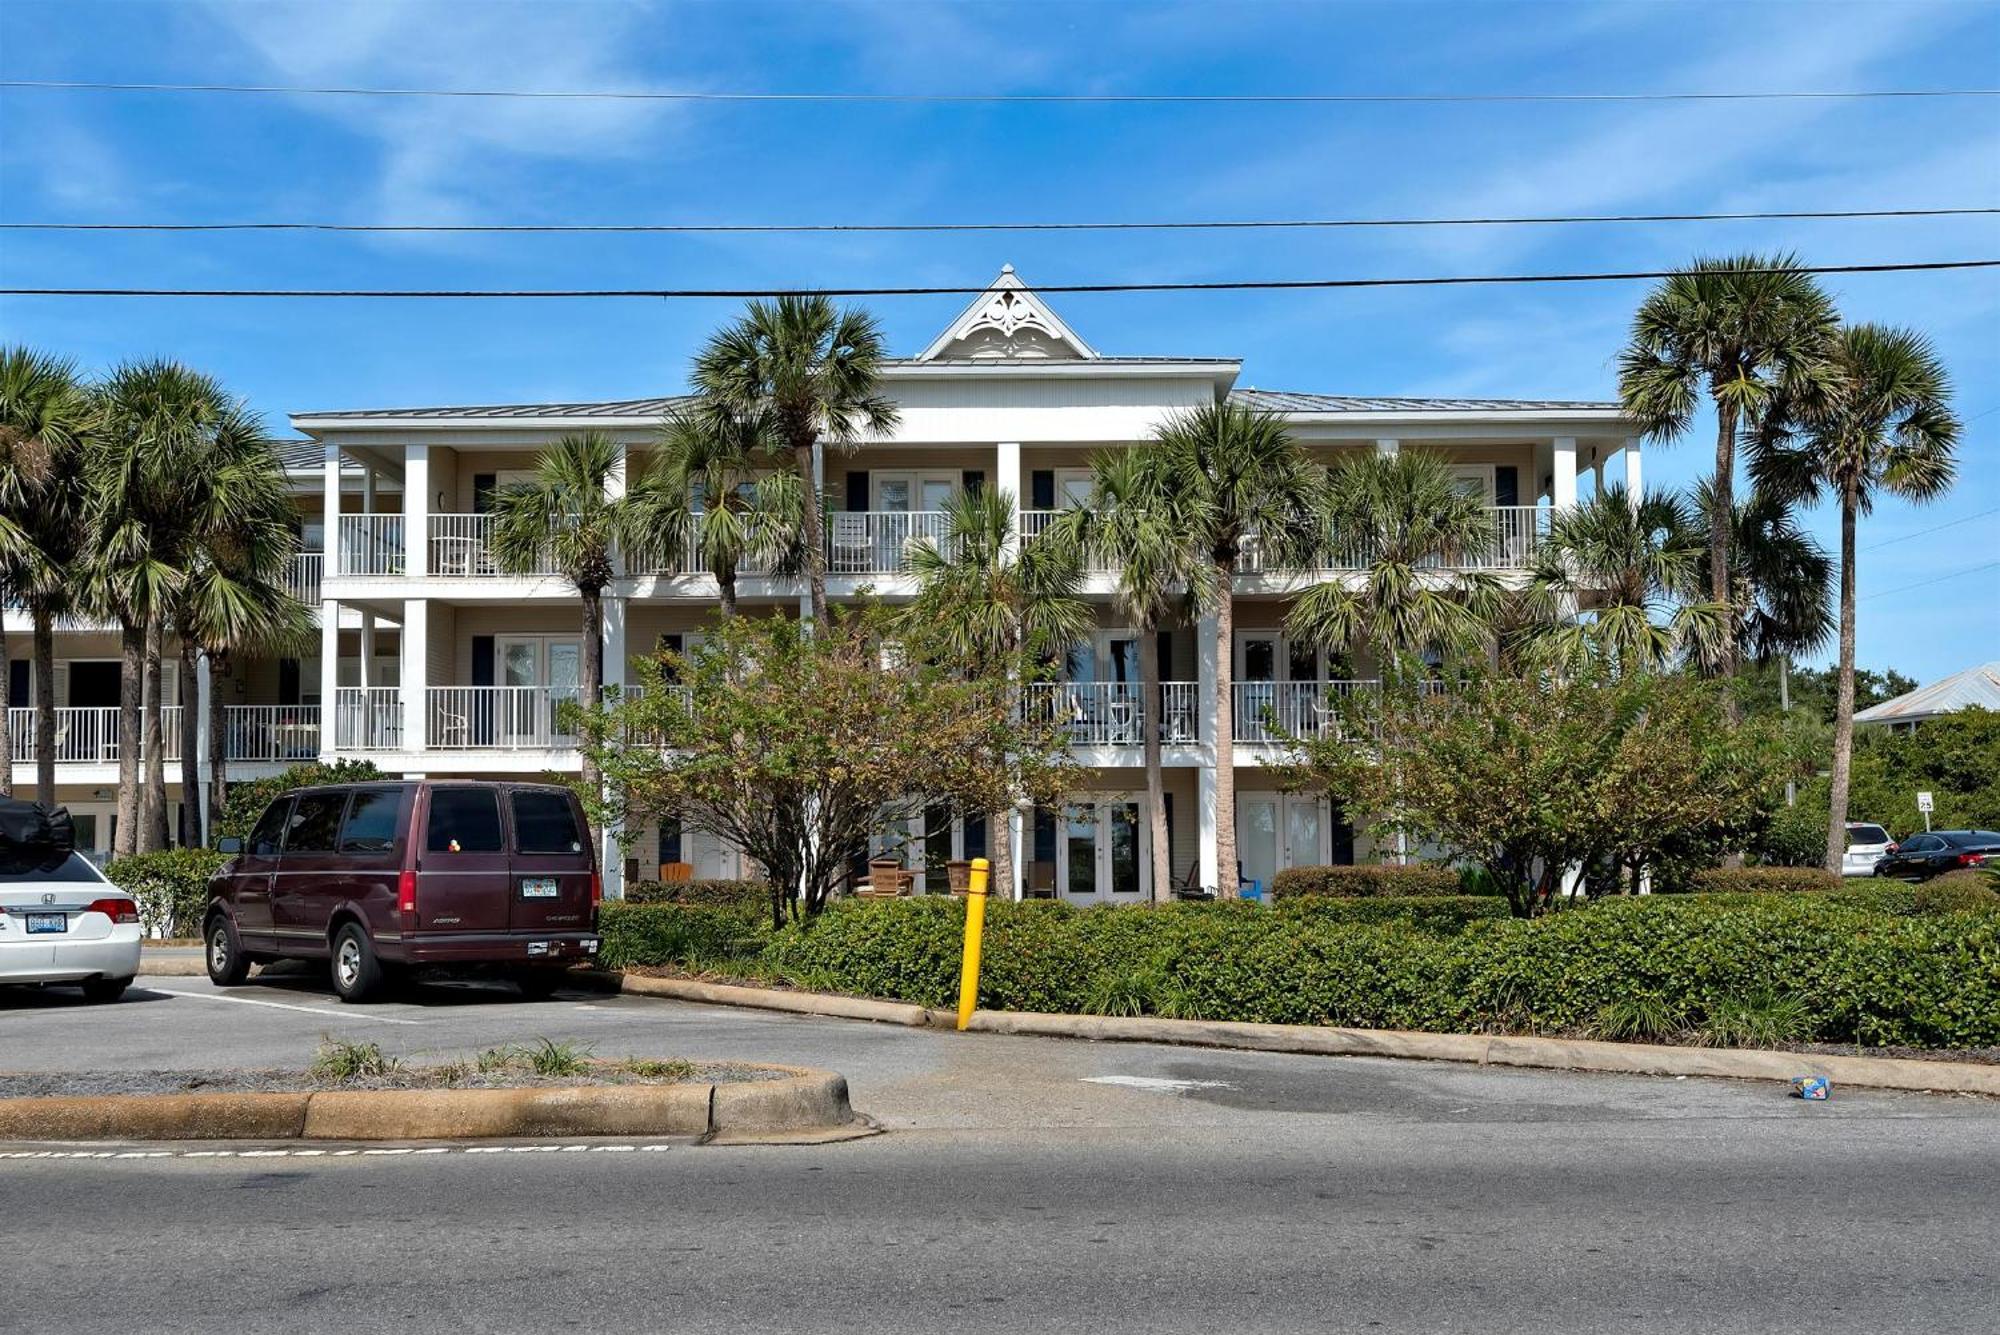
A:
x,y
497,718
302,579
1034,523
1110,713
371,545
86,735
879,542
282,733
1271,711
368,718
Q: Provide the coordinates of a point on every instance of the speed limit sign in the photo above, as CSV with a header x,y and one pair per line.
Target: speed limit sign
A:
x,y
1924,803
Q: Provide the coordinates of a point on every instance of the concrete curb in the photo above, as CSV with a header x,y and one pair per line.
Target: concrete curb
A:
x,y
806,1105
1561,1054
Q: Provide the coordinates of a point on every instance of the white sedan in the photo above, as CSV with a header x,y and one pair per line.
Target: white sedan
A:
x,y
68,926
1867,844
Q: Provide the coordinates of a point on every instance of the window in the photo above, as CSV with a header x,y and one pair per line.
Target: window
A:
x,y
371,821
1867,834
464,820
315,821
269,835
545,823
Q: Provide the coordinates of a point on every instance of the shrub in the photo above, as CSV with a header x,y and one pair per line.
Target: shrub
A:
x,y
1759,968
247,800
1432,912
697,936
170,887
752,896
1794,836
1964,891
1419,878
1760,880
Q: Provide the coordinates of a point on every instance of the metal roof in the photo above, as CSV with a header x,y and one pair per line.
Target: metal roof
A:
x,y
607,408
1974,688
1288,401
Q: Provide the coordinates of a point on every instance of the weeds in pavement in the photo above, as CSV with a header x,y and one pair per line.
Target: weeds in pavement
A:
x,y
647,1068
340,1061
493,1060
550,1058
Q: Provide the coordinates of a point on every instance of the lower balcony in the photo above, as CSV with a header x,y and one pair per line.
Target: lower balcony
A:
x,y
85,735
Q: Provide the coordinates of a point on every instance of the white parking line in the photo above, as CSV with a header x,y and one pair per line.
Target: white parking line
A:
x,y
344,1013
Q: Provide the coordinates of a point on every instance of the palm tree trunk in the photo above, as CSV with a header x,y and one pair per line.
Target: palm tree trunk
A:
x,y
1718,530
593,672
1843,709
6,717
1152,715
725,588
1000,853
218,746
45,706
190,752
153,792
815,540
1226,871
131,679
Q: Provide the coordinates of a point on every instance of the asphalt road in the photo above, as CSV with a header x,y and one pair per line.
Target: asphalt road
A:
x,y
1026,1184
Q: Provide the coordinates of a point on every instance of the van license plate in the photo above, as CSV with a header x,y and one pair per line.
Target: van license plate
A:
x,y
47,922
538,887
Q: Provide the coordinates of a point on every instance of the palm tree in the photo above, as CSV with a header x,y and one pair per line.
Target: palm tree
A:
x,y
142,470
808,373
1886,427
565,520
1607,586
1138,523
996,605
1745,328
712,496
234,599
46,411
1404,522
1251,489
1782,579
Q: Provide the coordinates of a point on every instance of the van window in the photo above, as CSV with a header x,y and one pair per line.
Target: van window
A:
x,y
371,821
464,820
269,835
545,823
315,820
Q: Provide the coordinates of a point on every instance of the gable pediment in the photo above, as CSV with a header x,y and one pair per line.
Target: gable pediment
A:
x,y
1008,322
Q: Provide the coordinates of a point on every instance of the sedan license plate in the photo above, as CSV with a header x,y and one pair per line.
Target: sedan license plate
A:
x,y
47,922
538,887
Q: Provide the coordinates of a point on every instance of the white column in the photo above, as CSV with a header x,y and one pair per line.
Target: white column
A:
x,y
1016,835
367,490
333,561
197,736
1634,487
614,641
1388,448
1007,477
1205,707
614,489
1562,494
366,678
416,516
415,637
329,676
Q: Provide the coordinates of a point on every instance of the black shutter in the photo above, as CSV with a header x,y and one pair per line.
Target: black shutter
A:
x,y
973,480
670,842
1167,801
483,487
1166,656
1506,485
482,660
1042,489
857,489
481,722
18,688
1343,838
288,681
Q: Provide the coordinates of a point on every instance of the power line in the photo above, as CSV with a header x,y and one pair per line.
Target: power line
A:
x,y
1192,225
1238,285
1935,528
695,95
1926,583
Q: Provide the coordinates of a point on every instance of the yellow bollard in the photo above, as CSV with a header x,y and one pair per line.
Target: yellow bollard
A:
x,y
975,925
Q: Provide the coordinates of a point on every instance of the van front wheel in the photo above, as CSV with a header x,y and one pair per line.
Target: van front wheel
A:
x,y
357,974
227,964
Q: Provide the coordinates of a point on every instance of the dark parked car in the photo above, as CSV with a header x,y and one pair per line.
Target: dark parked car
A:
x,y
1935,852
383,878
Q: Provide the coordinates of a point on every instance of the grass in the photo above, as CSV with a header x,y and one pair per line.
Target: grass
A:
x,y
340,1061
647,1068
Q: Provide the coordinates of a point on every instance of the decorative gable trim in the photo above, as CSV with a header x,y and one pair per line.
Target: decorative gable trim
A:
x,y
1008,322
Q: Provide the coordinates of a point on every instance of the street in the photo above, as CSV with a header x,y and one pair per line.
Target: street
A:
x,y
1024,1184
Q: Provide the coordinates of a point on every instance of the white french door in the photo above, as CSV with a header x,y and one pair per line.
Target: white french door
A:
x,y
1102,851
1279,830
544,671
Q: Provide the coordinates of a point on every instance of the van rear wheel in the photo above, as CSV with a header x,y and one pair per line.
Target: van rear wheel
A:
x,y
357,974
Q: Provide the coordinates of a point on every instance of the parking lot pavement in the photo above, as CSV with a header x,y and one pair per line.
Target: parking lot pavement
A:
x,y
906,1078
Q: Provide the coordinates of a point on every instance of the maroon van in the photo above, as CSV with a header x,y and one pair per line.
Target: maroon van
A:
x,y
389,877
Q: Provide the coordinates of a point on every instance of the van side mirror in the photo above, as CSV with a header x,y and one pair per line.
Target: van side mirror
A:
x,y
229,843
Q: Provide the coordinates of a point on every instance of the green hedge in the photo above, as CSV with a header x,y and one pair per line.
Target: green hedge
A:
x,y
1364,881
697,936
1792,968
1759,880
715,894
1966,891
171,887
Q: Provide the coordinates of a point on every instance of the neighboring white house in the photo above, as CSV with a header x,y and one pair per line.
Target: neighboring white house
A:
x,y
1974,688
433,663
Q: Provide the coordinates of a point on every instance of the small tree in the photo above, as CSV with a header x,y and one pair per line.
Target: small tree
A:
x,y
798,744
1528,777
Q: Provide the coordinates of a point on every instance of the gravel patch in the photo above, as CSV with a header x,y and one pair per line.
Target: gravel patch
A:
x,y
94,1083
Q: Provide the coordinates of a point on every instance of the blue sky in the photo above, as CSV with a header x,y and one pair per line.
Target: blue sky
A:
x,y
103,157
